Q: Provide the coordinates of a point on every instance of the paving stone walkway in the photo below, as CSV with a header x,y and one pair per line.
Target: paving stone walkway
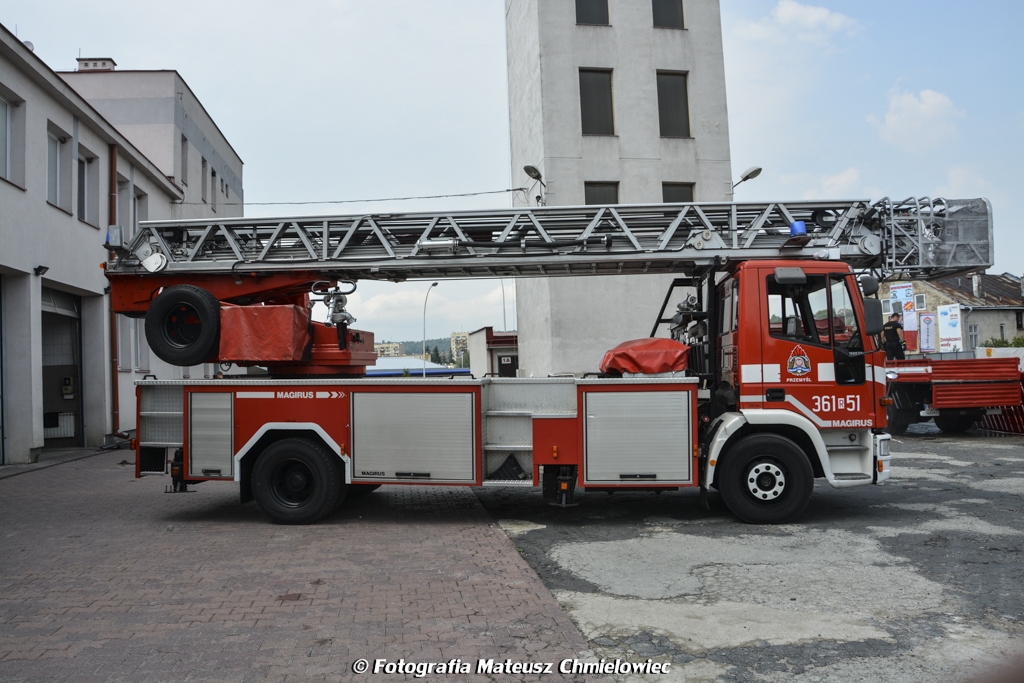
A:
x,y
105,578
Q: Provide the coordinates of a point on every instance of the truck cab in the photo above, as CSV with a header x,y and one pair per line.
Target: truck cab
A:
x,y
800,385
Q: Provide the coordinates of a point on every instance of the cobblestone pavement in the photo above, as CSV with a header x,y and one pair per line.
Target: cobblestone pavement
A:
x,y
921,579
105,578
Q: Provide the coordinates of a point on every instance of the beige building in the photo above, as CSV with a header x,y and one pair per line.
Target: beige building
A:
x,y
613,101
67,173
388,349
991,306
460,344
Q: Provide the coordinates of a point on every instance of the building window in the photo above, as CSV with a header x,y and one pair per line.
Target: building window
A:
x,y
596,102
202,181
1002,330
140,209
592,12
668,13
1020,320
886,306
184,160
673,105
672,193
972,337
213,190
52,169
5,139
920,302
83,187
601,193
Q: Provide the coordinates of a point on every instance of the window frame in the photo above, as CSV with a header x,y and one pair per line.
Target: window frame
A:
x,y
5,158
972,336
593,119
184,161
665,186
682,16
82,204
52,169
598,185
607,14
664,112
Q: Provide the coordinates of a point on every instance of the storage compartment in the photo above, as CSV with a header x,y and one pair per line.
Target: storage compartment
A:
x,y
210,449
637,437
428,436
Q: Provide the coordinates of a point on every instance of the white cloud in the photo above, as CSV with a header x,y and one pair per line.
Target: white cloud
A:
x,y
918,122
840,186
791,21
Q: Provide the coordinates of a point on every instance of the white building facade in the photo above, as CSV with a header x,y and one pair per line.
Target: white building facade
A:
x,y
613,101
67,173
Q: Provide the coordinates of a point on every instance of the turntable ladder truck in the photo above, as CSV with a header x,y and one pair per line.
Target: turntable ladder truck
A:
x,y
785,381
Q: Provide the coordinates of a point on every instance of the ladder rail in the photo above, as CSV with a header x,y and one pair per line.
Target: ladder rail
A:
x,y
916,237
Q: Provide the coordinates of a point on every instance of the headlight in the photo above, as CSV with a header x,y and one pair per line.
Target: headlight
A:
x,y
883,447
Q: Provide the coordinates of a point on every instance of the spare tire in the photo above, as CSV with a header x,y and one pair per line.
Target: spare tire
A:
x,y
183,325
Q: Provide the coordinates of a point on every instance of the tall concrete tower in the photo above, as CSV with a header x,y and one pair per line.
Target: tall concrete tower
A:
x,y
613,101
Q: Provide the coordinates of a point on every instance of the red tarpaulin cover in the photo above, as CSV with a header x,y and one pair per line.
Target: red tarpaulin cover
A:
x,y
263,333
647,356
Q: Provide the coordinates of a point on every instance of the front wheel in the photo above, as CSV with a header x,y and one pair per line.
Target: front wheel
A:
x,y
297,481
766,479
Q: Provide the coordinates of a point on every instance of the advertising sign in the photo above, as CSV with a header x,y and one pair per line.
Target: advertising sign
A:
x,y
902,297
927,332
951,334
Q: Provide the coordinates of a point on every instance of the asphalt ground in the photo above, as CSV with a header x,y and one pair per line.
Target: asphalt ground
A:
x,y
919,579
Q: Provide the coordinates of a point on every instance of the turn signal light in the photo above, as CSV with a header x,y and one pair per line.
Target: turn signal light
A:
x,y
713,462
881,466
133,444
565,486
886,401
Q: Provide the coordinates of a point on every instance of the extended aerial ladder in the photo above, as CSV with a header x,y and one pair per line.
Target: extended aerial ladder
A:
x,y
245,261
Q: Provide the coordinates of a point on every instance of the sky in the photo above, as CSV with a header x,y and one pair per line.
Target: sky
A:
x,y
349,100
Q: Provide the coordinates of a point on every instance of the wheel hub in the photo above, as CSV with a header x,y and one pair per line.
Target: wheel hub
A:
x,y
296,481
765,481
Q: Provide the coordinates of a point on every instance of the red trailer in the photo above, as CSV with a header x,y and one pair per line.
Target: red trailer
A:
x,y
956,393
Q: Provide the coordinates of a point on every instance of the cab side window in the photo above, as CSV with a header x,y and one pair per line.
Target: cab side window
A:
x,y
799,312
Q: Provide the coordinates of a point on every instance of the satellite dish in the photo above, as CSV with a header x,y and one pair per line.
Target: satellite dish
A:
x,y
532,172
29,45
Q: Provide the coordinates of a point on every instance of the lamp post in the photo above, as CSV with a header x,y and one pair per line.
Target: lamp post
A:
x,y
504,321
749,174
425,327
535,173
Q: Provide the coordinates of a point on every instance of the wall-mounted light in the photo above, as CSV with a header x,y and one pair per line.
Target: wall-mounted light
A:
x,y
40,270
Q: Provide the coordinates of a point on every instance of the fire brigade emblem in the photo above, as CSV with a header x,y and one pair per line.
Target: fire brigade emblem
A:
x,y
798,364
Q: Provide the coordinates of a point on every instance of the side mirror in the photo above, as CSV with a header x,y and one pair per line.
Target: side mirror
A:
x,y
873,320
868,285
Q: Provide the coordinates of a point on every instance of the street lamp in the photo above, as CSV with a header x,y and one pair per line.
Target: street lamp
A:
x,y
749,174
425,327
534,173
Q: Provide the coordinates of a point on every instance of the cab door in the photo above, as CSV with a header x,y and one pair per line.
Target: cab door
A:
x,y
813,359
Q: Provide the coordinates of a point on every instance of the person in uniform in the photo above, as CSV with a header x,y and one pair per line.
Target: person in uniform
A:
x,y
894,343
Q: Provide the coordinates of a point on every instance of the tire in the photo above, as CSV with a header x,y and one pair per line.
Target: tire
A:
x,y
297,481
766,479
898,422
183,325
359,490
953,424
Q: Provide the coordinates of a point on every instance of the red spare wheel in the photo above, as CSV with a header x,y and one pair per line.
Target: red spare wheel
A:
x,y
646,356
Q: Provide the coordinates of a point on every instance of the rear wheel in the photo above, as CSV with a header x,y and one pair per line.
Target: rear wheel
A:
x,y
766,479
297,481
183,325
954,424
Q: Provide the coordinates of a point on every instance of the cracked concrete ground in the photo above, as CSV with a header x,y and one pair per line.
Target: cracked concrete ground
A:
x,y
916,580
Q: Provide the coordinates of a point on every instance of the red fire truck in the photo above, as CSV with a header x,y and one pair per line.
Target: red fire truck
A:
x,y
784,383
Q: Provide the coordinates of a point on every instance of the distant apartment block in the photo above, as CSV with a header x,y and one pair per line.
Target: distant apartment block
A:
x,y
388,349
